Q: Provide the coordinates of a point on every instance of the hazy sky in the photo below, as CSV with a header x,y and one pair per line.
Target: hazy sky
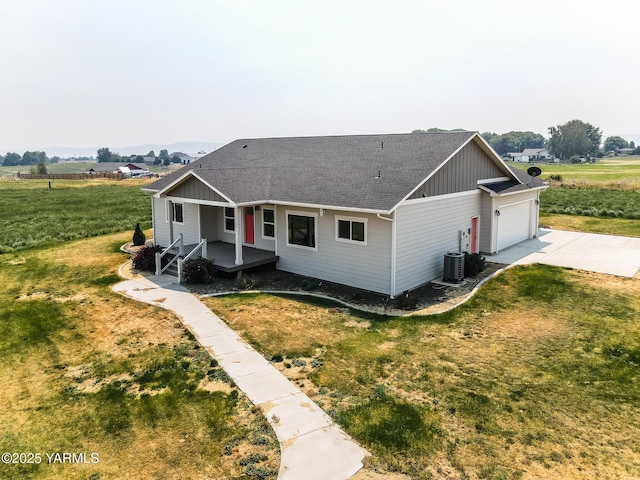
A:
x,y
117,73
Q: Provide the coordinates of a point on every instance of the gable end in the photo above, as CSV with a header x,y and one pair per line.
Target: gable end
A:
x,y
195,189
461,173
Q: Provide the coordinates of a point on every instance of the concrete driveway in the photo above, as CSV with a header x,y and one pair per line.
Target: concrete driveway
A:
x,y
584,251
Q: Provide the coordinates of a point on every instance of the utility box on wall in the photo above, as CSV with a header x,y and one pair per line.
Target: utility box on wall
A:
x,y
465,240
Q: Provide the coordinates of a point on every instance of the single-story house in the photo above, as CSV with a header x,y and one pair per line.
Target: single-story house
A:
x,y
531,155
625,151
377,212
119,167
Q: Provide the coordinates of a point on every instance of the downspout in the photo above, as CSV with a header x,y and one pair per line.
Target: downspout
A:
x,y
392,293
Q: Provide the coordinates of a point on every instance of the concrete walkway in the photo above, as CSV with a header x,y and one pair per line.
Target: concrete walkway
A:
x,y
611,254
311,445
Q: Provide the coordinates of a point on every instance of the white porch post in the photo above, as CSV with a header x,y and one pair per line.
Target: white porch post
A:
x,y
239,229
169,205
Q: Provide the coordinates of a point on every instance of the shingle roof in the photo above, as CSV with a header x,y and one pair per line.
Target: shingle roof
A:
x,y
331,171
532,151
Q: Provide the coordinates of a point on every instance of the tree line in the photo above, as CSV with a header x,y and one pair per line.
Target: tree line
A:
x,y
36,161
106,155
570,141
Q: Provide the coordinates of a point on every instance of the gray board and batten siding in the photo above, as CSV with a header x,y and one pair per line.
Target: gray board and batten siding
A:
x,y
461,173
193,188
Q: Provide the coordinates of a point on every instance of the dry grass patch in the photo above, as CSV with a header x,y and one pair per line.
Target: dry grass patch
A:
x,y
88,370
536,377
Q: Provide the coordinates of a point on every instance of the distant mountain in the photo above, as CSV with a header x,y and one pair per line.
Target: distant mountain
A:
x,y
71,152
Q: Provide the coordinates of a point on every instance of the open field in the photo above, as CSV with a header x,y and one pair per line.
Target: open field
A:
x,y
605,170
594,202
535,377
74,167
607,191
34,215
85,370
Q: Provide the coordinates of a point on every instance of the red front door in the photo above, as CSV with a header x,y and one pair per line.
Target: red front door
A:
x,y
474,235
249,226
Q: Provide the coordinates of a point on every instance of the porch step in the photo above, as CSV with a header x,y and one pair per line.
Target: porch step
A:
x,y
172,270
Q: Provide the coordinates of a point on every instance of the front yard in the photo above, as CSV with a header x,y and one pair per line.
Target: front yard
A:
x,y
535,377
86,371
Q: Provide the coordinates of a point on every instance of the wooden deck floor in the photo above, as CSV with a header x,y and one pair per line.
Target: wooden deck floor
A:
x,y
223,256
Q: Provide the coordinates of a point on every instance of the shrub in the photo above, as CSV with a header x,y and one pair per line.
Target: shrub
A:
x,y
198,270
406,301
308,285
145,259
474,263
245,282
138,236
556,177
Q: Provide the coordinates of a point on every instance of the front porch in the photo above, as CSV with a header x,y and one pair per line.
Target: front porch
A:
x,y
223,255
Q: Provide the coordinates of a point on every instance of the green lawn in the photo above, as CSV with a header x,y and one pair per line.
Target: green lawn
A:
x,y
593,202
34,215
536,377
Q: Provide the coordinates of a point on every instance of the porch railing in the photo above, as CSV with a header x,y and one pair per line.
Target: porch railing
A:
x,y
202,246
159,256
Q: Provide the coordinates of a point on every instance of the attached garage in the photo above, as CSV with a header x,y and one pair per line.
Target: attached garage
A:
x,y
514,223
510,213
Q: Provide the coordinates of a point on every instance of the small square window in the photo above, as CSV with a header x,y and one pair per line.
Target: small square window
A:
x,y
301,230
351,230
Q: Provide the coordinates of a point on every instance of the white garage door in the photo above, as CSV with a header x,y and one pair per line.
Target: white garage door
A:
x,y
514,224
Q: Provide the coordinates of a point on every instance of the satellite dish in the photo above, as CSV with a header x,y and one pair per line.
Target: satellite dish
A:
x,y
534,171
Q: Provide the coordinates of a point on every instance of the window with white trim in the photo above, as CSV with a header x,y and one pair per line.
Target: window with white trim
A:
x,y
229,219
178,213
301,229
268,223
351,229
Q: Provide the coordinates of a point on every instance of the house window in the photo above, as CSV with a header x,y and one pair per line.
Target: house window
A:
x,y
229,219
268,223
351,230
178,213
301,230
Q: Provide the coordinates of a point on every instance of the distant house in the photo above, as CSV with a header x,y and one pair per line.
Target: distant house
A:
x,y
185,159
625,151
531,155
127,169
377,212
